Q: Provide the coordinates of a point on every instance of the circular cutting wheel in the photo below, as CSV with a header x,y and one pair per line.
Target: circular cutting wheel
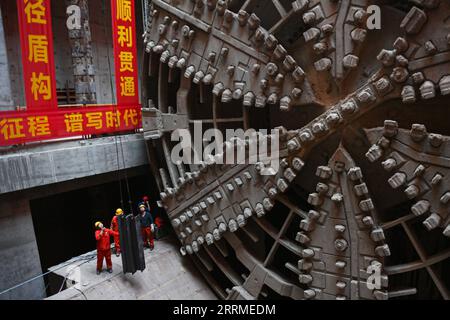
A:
x,y
359,208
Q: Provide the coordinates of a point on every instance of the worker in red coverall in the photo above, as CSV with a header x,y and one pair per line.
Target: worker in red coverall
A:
x,y
102,235
146,201
147,226
115,227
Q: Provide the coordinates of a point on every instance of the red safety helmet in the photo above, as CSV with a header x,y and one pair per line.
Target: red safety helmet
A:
x,y
145,198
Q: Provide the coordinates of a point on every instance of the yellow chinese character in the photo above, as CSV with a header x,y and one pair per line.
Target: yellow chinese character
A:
x,y
35,11
94,120
125,36
41,86
124,10
74,122
131,115
113,119
12,128
127,87
126,61
38,126
38,46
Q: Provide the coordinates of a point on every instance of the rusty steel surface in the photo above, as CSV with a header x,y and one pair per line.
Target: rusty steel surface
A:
x,y
363,115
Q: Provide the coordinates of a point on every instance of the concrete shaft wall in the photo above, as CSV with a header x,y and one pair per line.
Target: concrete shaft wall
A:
x,y
63,51
19,256
5,84
57,162
12,39
83,66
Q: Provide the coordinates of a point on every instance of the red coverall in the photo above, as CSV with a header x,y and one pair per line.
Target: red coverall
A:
x,y
147,236
159,222
115,227
146,223
104,247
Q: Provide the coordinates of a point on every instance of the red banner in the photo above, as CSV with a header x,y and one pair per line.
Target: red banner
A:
x,y
36,38
18,127
42,119
125,53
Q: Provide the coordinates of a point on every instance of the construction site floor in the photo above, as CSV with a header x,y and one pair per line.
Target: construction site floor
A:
x,y
167,276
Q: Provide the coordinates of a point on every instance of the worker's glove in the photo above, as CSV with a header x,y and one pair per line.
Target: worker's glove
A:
x,y
152,227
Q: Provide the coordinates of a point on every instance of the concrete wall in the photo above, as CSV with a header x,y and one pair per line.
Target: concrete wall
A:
x,y
40,165
5,84
63,52
19,256
12,37
102,48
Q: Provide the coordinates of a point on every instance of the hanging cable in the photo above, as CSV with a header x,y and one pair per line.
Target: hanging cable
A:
x,y
118,173
116,137
115,104
89,257
69,272
130,202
